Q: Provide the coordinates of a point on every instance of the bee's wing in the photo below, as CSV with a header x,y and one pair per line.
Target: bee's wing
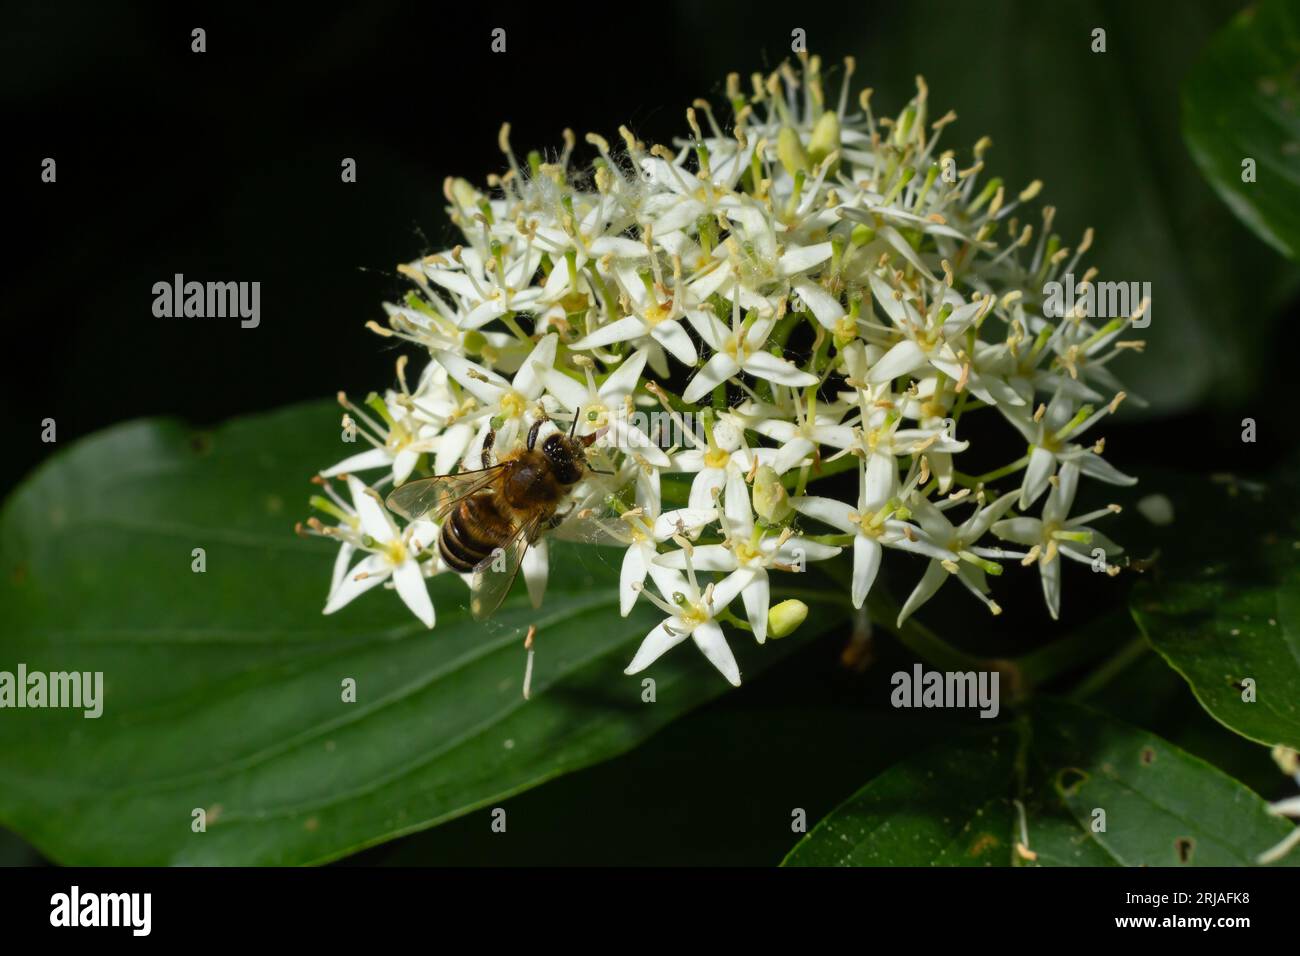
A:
x,y
496,573
415,499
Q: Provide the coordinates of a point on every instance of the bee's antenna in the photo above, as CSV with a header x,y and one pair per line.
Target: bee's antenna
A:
x,y
573,428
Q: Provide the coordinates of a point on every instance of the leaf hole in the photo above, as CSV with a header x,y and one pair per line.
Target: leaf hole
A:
x,y
1069,780
1184,846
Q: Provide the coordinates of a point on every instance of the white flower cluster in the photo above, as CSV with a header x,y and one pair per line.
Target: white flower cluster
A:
x,y
831,290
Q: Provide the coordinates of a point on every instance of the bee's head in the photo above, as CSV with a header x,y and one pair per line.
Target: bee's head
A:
x,y
568,454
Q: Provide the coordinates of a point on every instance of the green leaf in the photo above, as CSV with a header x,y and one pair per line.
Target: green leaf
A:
x,y
1242,102
959,804
1163,806
946,807
1223,604
222,689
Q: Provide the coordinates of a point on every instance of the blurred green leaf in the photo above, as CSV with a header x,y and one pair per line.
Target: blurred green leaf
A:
x,y
1223,605
957,804
946,807
222,689
1242,102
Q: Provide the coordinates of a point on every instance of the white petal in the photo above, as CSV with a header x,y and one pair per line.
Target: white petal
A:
x,y
570,394
803,258
621,330
709,639
1042,465
903,359
702,488
828,511
706,557
880,481
341,565
683,520
674,338
725,591
451,447
1026,531
736,505
529,381
535,567
362,461
488,392
375,520
404,464
1051,572
371,571
716,371
1062,497
794,548
482,314
627,437
930,582
768,366
1094,466
825,307
791,453
756,598
656,643
866,564
630,578
410,586
625,378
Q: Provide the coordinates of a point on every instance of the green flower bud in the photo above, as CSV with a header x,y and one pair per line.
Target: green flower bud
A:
x,y
846,331
825,137
783,618
464,194
770,498
862,234
791,152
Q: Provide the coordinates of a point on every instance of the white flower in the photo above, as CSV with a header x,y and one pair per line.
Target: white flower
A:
x,y
1047,433
506,402
967,562
609,406
723,457
398,439
651,319
691,614
750,554
1056,533
392,554
645,530
800,438
874,306
874,527
469,276
737,349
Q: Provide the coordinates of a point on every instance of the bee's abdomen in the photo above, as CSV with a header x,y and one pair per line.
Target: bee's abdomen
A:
x,y
472,531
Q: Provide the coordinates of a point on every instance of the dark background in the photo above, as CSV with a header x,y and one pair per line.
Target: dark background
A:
x,y
226,166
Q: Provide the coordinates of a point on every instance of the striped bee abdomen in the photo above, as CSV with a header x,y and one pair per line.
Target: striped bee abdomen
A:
x,y
472,531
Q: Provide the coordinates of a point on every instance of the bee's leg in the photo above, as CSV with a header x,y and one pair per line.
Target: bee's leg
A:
x,y
532,433
485,459
555,521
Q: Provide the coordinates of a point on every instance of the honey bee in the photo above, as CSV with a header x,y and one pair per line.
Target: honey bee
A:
x,y
489,517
